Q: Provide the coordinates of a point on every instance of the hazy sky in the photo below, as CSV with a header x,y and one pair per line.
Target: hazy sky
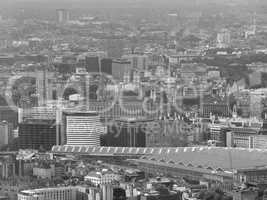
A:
x,y
7,5
124,1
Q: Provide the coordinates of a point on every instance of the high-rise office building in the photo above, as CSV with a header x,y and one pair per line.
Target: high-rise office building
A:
x,y
44,89
119,68
223,38
106,66
63,15
82,128
49,112
127,132
5,133
8,113
93,60
92,64
37,134
137,61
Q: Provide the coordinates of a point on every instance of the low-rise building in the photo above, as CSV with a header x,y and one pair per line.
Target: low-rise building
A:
x,y
7,167
61,193
97,178
245,195
41,172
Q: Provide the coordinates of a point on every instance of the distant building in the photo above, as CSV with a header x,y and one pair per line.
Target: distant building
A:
x,y
63,15
6,130
91,193
137,61
256,106
173,21
42,172
223,38
252,30
107,192
119,194
129,108
8,113
214,74
264,195
260,142
37,113
48,171
110,192
7,167
245,195
43,86
244,135
37,134
97,178
59,193
126,133
219,109
157,195
92,64
136,78
243,103
93,60
106,66
65,68
255,79
168,133
218,133
119,68
247,140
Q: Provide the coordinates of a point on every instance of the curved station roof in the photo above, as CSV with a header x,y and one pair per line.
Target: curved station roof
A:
x,y
206,158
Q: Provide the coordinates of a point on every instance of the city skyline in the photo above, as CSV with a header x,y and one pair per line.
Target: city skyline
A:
x,y
133,100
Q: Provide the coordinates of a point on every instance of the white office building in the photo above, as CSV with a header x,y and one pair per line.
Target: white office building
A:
x,y
83,128
60,193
